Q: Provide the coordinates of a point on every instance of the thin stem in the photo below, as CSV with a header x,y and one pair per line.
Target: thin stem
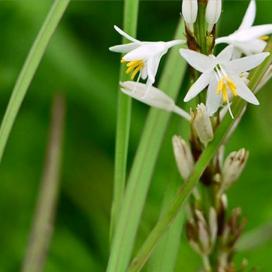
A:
x,y
123,121
43,220
143,166
29,69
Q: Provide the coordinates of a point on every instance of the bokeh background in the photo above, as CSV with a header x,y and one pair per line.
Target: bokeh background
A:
x,y
78,64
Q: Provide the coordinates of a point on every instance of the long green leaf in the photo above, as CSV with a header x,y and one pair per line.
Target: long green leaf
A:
x,y
123,120
184,192
143,166
164,256
30,66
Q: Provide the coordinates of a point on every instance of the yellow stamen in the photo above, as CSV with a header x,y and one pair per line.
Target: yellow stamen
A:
x,y
133,67
225,84
264,38
232,86
220,86
225,93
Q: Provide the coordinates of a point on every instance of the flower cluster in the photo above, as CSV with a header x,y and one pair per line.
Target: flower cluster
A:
x,y
212,231
222,77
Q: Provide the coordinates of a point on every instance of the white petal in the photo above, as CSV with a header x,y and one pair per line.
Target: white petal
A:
x,y
173,43
251,47
145,51
250,15
252,33
189,11
225,39
198,86
247,63
213,100
152,68
225,54
244,92
124,48
150,96
200,62
124,34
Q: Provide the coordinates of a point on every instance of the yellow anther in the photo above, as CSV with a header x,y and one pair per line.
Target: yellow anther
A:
x,y
225,93
225,84
220,86
232,86
264,38
134,67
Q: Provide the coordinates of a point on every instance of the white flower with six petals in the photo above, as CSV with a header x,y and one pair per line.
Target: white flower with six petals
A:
x,y
248,39
222,76
142,57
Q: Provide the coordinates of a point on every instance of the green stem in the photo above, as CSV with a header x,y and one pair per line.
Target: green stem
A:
x,y
43,221
143,166
123,121
200,27
29,69
184,192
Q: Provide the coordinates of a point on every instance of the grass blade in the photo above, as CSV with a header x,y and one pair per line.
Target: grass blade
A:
x,y
123,120
29,69
164,256
143,166
42,225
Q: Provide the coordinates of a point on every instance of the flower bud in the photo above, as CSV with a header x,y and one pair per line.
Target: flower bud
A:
x,y
202,124
152,97
213,225
213,12
183,156
233,166
189,12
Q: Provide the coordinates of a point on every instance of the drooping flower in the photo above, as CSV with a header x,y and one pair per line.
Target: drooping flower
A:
x,y
248,39
152,97
213,12
189,12
142,57
222,76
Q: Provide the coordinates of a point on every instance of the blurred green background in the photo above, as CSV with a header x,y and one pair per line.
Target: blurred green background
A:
x,y
78,64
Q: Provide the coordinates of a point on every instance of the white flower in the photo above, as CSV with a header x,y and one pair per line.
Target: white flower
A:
x,y
248,39
152,97
213,12
142,57
189,12
222,76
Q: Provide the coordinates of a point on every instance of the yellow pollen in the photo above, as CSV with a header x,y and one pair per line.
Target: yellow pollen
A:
x,y
133,67
225,84
264,38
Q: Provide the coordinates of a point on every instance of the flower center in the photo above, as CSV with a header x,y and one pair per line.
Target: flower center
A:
x,y
133,67
225,84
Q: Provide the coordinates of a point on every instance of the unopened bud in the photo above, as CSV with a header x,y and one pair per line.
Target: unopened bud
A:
x,y
233,166
213,12
153,97
213,225
189,12
183,156
203,237
202,124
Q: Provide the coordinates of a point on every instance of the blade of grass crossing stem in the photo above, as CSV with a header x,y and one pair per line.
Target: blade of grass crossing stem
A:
x,y
43,221
143,165
123,120
183,193
29,68
164,256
